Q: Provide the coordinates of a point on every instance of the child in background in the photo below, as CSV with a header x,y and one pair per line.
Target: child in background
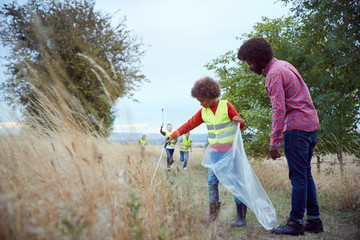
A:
x,y
185,145
216,114
170,147
142,144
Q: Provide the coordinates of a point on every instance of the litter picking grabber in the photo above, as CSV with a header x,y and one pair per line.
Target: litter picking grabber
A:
x,y
162,111
158,162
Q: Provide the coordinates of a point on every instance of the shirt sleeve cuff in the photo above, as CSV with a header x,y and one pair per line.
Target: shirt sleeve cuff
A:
x,y
275,143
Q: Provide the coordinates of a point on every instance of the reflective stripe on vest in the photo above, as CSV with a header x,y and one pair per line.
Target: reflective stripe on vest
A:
x,y
172,142
220,127
185,144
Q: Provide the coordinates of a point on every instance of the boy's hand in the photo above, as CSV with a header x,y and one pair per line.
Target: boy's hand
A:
x,y
237,119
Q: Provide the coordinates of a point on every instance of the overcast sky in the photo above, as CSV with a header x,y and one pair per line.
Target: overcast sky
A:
x,y
180,37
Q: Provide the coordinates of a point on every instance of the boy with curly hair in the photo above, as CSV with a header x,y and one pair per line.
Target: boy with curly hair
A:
x,y
216,114
294,119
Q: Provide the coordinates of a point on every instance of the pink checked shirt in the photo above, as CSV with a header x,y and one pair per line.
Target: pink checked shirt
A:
x,y
290,99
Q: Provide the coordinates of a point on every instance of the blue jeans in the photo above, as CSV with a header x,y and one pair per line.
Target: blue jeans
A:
x,y
184,157
299,147
169,154
213,181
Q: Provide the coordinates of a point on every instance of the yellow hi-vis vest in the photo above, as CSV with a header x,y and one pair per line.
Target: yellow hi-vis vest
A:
x,y
185,144
142,143
172,142
220,127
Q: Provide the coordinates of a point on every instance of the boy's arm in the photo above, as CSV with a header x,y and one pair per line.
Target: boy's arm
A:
x,y
192,123
233,113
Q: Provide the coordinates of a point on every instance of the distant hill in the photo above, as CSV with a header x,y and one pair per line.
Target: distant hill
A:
x,y
154,138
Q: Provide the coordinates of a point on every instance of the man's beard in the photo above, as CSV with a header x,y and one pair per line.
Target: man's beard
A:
x,y
258,71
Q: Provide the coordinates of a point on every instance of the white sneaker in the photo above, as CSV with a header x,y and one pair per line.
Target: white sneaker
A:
x,y
185,168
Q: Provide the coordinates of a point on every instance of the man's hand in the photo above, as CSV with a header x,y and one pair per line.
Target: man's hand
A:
x,y
274,152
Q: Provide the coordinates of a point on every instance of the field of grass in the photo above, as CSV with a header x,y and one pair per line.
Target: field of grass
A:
x,y
70,185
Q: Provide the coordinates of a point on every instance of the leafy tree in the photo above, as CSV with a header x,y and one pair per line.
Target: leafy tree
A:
x,y
330,35
69,46
328,63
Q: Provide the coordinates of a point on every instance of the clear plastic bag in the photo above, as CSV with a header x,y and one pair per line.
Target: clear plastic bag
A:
x,y
235,174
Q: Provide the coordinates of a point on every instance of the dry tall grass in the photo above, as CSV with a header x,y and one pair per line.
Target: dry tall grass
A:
x,y
59,185
340,192
67,183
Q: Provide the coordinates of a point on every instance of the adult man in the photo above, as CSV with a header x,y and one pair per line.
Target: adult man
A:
x,y
295,119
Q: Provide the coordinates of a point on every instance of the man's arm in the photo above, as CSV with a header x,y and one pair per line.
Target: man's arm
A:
x,y
277,98
233,113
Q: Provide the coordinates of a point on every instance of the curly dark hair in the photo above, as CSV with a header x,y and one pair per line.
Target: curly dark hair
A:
x,y
256,50
206,87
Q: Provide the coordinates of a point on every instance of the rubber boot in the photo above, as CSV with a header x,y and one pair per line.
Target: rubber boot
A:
x,y
214,208
171,160
241,215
